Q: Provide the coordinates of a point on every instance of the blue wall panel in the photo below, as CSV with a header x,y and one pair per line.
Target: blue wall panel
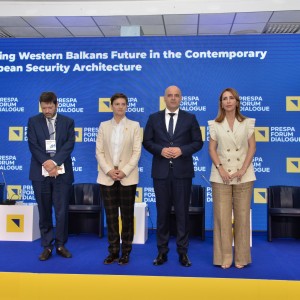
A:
x,y
85,72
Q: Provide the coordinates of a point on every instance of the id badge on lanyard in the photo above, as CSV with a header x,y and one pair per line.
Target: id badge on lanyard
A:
x,y
50,146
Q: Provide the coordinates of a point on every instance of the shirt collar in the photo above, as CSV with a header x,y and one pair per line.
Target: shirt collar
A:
x,y
122,122
175,112
53,118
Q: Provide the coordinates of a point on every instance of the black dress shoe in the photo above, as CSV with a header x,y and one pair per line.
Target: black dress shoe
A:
x,y
64,252
124,260
160,259
184,260
111,258
45,254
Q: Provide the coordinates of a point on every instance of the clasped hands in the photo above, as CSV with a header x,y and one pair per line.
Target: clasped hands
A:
x,y
227,178
51,168
171,152
116,175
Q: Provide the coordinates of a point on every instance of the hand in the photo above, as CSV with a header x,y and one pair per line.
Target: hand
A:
x,y
49,165
176,152
167,153
171,152
120,175
53,172
239,174
226,177
113,174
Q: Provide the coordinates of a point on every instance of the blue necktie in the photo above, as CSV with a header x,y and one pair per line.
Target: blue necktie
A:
x,y
171,124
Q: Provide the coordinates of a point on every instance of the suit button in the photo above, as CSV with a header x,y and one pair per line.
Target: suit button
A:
x,y
236,149
228,150
238,159
228,159
229,170
171,143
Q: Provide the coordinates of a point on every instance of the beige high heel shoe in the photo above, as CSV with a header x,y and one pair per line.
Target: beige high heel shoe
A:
x,y
225,266
239,266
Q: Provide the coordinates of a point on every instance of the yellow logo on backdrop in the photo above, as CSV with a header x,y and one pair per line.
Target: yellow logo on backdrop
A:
x,y
15,133
14,192
104,105
139,195
260,195
293,164
293,103
262,134
78,134
202,129
162,103
14,223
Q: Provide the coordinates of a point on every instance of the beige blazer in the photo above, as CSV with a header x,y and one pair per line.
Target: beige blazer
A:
x,y
129,155
232,148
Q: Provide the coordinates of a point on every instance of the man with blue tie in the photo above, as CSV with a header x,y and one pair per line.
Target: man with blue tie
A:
x,y
51,139
172,136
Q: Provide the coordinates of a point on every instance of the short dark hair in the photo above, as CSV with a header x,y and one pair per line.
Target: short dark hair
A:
x,y
48,97
116,96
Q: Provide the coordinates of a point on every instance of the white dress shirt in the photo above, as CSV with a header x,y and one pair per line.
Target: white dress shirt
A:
x,y
175,118
117,139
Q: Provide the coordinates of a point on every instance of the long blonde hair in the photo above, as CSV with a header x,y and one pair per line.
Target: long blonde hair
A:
x,y
221,113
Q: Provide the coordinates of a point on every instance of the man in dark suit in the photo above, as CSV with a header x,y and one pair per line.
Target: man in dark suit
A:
x,y
51,139
172,136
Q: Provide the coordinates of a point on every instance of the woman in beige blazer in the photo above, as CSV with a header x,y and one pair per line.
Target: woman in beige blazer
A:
x,y
118,150
231,147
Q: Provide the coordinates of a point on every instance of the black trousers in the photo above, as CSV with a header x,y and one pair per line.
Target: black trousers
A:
x,y
115,197
168,192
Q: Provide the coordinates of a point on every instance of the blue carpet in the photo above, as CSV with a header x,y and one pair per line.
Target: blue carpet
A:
x,y
279,260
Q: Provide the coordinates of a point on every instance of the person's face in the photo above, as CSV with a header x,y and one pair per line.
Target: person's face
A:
x,y
172,98
119,107
49,109
229,103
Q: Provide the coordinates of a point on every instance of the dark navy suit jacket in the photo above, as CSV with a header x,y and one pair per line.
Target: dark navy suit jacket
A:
x,y
37,133
187,136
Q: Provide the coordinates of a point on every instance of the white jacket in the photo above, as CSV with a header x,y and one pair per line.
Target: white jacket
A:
x,y
232,148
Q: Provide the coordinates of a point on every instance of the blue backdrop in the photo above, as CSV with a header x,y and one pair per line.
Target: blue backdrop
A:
x,y
85,72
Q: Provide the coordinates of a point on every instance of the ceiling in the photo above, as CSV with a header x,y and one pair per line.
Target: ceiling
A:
x,y
31,25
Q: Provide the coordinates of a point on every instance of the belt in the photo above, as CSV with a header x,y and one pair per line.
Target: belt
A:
x,y
171,165
116,167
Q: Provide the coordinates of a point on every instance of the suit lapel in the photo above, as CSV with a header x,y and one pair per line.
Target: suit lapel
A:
x,y
43,125
58,127
237,130
179,123
125,135
228,131
162,122
109,134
